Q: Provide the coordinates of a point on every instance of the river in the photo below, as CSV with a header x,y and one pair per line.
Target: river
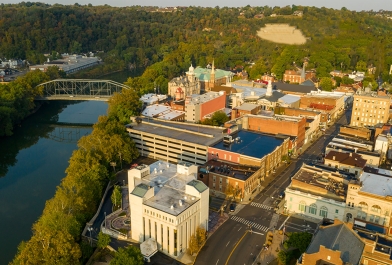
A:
x,y
33,162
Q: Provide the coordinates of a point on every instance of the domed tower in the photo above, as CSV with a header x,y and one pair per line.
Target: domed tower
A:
x,y
191,74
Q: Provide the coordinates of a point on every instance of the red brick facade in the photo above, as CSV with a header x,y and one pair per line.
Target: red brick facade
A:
x,y
275,126
213,105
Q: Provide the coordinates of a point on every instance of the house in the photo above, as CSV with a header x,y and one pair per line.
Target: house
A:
x,y
334,244
349,162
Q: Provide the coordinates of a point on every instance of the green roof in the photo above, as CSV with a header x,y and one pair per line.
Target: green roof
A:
x,y
140,190
198,185
205,73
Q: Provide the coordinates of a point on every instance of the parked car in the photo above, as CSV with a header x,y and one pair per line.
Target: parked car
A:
x,y
281,195
232,207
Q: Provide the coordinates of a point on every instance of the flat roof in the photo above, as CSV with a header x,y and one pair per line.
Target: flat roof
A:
x,y
376,184
288,99
251,144
192,133
169,188
231,170
247,106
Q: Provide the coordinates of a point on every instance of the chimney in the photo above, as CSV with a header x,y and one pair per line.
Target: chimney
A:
x,y
333,158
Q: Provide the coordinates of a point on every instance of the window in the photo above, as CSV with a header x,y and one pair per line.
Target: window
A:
x,y
302,206
376,209
313,209
371,218
377,219
363,206
323,211
361,215
336,211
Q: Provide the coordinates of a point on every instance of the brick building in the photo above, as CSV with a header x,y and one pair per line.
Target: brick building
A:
x,y
183,86
199,106
244,109
230,178
251,149
210,77
349,162
370,109
330,105
359,132
298,77
334,244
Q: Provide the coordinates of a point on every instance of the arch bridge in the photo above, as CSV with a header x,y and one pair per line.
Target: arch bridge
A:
x,y
80,89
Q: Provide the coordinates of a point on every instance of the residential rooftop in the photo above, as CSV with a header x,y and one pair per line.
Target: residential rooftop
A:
x,y
251,144
350,159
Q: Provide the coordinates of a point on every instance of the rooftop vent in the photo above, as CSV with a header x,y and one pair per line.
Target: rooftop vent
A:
x,y
155,170
185,197
167,165
193,198
160,171
180,202
172,207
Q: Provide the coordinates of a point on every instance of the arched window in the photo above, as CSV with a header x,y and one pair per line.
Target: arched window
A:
x,y
376,209
313,209
302,206
363,206
324,211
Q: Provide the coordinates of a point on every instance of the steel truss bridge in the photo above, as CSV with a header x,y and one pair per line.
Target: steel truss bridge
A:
x,y
80,89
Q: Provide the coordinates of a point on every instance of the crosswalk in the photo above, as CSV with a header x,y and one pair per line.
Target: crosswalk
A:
x,y
252,224
266,207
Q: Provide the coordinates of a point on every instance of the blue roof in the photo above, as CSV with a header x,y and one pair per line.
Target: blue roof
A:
x,y
251,144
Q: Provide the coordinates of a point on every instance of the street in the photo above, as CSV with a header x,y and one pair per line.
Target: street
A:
x,y
230,244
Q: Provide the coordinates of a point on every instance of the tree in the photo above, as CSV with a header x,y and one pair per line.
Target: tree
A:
x,y
124,105
116,195
326,83
217,119
103,240
230,190
197,240
129,255
361,66
299,240
347,81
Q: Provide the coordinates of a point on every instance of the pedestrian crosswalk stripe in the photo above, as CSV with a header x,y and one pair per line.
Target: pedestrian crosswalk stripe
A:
x,y
255,204
247,222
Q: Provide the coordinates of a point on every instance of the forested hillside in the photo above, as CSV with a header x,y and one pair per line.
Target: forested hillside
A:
x,y
131,35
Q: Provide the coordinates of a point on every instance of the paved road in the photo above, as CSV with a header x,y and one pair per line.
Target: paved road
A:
x,y
222,248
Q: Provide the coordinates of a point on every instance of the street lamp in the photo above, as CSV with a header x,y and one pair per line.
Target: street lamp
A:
x,y
113,164
120,159
91,239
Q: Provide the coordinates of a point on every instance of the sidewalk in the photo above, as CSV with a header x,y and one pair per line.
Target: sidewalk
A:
x,y
269,253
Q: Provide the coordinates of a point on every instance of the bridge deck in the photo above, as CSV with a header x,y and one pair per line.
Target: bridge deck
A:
x,y
100,98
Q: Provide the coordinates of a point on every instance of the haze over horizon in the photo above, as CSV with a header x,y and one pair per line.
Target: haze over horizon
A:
x,y
336,4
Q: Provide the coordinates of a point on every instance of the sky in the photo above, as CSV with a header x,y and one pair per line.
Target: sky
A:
x,y
357,5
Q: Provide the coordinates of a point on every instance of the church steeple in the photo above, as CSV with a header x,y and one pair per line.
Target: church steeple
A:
x,y
212,75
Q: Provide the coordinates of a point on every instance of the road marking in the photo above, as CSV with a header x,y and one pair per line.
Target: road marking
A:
x,y
227,243
249,223
255,204
217,262
232,251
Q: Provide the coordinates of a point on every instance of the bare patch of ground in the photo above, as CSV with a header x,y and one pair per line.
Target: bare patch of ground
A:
x,y
282,33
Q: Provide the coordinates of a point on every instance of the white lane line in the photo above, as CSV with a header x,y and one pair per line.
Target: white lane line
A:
x,y
240,228
227,243
217,262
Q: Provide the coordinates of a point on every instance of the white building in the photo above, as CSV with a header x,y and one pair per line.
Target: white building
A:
x,y
369,200
167,203
317,193
151,98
